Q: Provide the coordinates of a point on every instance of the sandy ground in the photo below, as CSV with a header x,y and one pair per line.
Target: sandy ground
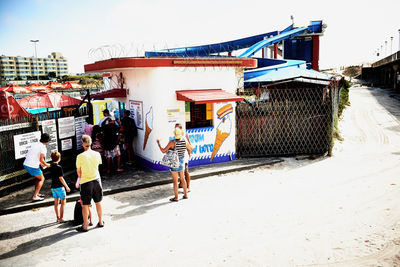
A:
x,y
337,211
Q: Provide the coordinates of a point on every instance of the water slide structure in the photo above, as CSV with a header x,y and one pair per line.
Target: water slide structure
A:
x,y
298,46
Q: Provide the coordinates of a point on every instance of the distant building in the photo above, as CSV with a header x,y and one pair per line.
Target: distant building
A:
x,y
24,68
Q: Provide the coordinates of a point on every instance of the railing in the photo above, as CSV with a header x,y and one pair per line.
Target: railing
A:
x,y
386,60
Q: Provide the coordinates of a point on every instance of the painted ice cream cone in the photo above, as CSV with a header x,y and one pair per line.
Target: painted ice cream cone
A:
x,y
149,126
219,139
223,129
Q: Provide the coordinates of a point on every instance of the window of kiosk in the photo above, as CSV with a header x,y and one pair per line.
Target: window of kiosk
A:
x,y
198,115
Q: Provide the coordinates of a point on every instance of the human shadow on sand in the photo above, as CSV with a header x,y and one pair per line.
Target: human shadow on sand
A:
x,y
144,201
41,242
25,231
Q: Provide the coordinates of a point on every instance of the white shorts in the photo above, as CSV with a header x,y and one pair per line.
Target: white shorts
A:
x,y
113,153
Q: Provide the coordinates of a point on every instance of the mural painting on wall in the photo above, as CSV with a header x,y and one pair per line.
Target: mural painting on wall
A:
x,y
223,128
149,126
207,141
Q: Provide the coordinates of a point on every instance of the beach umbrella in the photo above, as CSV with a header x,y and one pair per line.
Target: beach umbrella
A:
x,y
21,90
7,88
69,85
54,85
48,100
11,88
39,88
9,107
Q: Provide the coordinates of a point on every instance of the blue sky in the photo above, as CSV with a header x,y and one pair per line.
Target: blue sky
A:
x,y
78,29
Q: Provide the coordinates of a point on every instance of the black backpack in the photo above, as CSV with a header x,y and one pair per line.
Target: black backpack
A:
x,y
78,218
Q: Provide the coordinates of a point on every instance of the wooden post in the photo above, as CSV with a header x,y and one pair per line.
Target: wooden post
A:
x,y
395,68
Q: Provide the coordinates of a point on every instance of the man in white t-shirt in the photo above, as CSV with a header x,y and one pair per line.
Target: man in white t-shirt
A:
x,y
34,159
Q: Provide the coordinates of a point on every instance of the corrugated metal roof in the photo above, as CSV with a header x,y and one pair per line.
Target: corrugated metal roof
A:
x,y
292,69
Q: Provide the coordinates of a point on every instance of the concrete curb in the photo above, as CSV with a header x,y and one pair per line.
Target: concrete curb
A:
x,y
75,196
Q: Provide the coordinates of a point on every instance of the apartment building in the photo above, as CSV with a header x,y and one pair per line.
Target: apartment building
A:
x,y
24,68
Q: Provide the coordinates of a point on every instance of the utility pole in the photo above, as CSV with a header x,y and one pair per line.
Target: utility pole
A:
x,y
399,40
391,45
385,48
37,61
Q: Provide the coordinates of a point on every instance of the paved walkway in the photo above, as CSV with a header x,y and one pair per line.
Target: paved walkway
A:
x,y
131,179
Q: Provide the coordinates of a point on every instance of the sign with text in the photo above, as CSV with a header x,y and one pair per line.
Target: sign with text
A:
x,y
136,109
50,128
80,123
66,127
66,144
173,115
23,142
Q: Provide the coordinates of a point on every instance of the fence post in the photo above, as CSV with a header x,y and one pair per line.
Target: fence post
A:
x,y
37,123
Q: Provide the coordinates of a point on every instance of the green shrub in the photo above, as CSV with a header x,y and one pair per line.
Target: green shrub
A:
x,y
344,97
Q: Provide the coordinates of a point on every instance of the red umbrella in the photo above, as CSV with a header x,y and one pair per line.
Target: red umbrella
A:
x,y
48,100
69,85
39,88
10,88
21,90
54,85
9,107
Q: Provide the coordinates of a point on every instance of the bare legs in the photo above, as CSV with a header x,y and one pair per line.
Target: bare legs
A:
x,y
85,215
129,150
109,160
60,215
175,182
38,185
175,176
56,208
99,210
62,207
187,178
119,164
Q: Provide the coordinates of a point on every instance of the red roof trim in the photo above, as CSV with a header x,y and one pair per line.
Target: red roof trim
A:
x,y
121,63
113,93
206,96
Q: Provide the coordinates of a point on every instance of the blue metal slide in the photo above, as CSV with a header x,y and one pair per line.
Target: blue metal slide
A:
x,y
273,40
206,50
253,43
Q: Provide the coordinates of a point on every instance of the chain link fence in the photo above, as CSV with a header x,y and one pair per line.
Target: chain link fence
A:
x,y
21,125
286,119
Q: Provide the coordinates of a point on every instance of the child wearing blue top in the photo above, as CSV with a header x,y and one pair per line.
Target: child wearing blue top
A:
x,y
58,185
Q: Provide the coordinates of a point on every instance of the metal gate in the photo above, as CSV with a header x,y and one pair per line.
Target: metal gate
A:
x,y
286,119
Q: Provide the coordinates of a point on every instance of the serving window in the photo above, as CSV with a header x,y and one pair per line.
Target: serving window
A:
x,y
198,115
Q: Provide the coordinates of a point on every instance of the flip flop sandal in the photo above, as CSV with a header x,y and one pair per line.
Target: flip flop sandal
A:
x,y
173,200
185,197
98,225
81,229
40,195
37,199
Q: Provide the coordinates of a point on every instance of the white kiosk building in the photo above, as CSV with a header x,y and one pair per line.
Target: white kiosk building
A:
x,y
199,93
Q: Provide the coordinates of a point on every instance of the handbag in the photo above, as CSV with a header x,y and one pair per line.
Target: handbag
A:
x,y
170,159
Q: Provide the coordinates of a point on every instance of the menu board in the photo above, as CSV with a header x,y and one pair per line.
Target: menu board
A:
x,y
80,123
66,144
66,127
136,109
50,128
23,142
